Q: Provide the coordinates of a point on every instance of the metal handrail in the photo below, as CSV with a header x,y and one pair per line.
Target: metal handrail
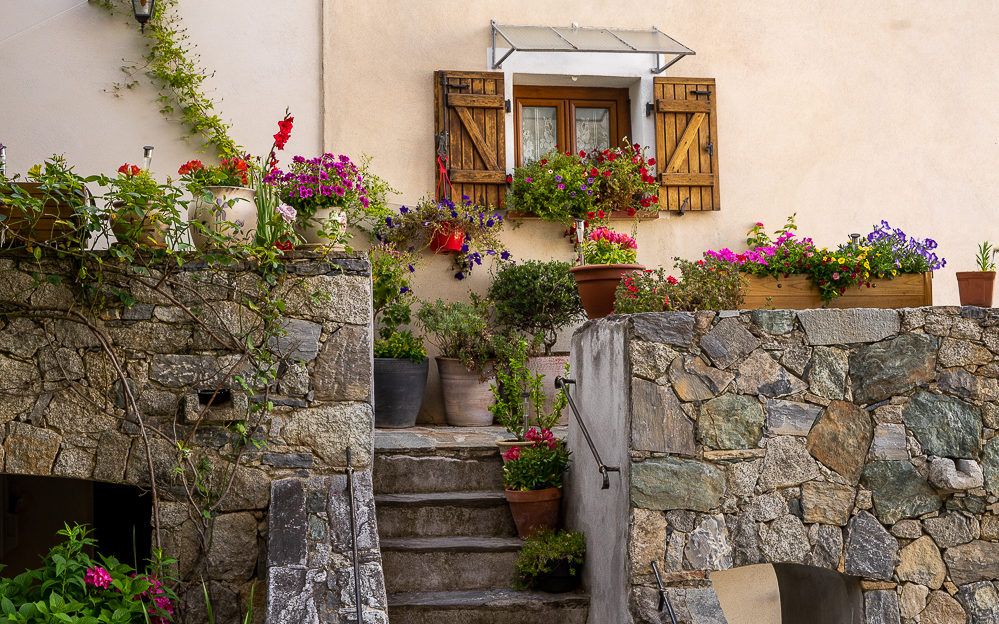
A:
x,y
561,383
663,596
353,538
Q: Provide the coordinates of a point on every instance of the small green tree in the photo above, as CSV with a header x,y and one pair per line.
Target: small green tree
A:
x,y
536,298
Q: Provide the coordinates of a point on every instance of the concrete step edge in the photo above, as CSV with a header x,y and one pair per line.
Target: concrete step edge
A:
x,y
451,544
471,498
487,599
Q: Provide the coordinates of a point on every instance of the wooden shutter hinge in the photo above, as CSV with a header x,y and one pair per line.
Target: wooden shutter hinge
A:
x,y
507,105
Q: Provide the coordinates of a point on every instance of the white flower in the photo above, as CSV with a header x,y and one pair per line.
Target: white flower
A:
x,y
287,213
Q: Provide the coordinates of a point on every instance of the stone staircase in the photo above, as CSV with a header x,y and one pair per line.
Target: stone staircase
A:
x,y
448,541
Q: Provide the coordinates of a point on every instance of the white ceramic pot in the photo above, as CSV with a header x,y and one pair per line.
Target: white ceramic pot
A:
x,y
233,213
332,221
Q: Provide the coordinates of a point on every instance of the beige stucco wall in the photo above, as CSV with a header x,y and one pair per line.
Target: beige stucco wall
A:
x,y
59,59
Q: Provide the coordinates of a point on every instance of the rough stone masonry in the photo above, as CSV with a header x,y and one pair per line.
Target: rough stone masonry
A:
x,y
284,526
862,441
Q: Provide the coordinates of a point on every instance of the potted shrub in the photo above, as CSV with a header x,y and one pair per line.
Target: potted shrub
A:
x,y
467,231
533,481
538,299
53,206
607,256
141,211
551,561
223,202
519,398
463,337
975,287
400,358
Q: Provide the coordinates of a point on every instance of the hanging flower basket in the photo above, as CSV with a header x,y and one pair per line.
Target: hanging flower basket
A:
x,y
447,239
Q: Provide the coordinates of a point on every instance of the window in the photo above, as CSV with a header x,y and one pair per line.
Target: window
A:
x,y
573,118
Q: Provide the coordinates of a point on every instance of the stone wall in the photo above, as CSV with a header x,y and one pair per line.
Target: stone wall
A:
x,y
61,413
861,441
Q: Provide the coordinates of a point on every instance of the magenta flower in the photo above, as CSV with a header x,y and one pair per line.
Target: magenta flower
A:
x,y
512,454
98,577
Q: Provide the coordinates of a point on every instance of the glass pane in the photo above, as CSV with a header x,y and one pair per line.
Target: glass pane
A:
x,y
539,131
592,129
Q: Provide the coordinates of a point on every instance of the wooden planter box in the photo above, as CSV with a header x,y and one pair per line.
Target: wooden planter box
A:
x,y
57,219
795,292
617,215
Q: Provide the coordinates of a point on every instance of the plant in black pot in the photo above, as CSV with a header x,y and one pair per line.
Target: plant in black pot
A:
x,y
537,300
464,338
400,358
551,561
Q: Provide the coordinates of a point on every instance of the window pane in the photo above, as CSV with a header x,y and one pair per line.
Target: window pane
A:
x,y
539,131
592,129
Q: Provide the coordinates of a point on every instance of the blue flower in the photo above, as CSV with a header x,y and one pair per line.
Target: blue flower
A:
x,y
464,248
403,210
490,223
459,275
505,255
412,269
404,290
388,221
454,214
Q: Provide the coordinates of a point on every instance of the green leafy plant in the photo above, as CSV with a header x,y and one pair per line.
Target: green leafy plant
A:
x,y
708,284
984,257
75,588
401,345
141,209
537,467
393,298
557,187
514,382
624,179
544,550
413,228
460,330
536,298
604,246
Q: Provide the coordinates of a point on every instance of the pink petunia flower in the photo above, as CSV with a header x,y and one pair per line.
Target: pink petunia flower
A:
x,y
98,577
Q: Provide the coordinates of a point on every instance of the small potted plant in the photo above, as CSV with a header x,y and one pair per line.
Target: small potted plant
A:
x,y
400,358
538,299
533,481
975,287
607,256
223,202
464,339
322,190
551,561
466,230
141,211
52,206
519,398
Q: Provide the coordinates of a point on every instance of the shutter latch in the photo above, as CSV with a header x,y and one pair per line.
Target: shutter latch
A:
x,y
709,147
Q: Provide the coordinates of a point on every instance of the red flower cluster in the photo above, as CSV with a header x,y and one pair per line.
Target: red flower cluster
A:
x,y
616,238
284,132
545,436
129,170
513,453
236,166
285,245
189,166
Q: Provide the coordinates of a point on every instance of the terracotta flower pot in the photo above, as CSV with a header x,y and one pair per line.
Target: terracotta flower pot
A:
x,y
466,397
534,509
233,213
597,283
447,240
975,287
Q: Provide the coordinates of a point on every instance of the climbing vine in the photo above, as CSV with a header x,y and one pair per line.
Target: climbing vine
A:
x,y
173,66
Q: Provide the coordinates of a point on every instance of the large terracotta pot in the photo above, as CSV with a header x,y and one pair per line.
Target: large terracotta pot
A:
x,y
975,287
233,213
447,240
534,509
551,366
597,283
466,397
332,221
399,386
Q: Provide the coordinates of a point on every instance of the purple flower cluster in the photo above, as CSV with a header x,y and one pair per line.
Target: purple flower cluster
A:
x,y
912,254
328,181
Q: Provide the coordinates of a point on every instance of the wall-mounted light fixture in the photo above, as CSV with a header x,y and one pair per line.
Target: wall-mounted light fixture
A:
x,y
143,10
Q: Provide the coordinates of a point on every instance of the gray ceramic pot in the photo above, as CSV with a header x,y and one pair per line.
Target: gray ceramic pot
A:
x,y
399,386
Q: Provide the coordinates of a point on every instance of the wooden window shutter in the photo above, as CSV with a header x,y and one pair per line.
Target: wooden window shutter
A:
x,y
687,143
470,127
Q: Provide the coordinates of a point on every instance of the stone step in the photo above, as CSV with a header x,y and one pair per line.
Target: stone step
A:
x,y
432,514
431,564
467,470
494,606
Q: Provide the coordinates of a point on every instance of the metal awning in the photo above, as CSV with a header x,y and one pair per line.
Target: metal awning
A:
x,y
578,39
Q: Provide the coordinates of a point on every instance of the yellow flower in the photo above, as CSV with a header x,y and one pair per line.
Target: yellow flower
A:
x,y
893,273
867,265
841,260
825,258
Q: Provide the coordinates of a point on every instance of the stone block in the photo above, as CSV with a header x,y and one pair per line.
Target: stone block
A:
x,y
942,609
841,437
871,552
112,456
650,360
338,512
962,353
74,463
774,322
944,426
203,371
708,547
343,370
30,450
647,540
330,429
881,607
236,408
885,369
287,460
889,442
289,600
975,561
790,417
728,342
286,526
152,337
730,421
827,546
959,382
848,326
300,342
920,562
898,491
761,374
658,422
981,602
232,555
955,476
672,328
336,298
827,503
912,600
742,476
786,463
671,483
693,380
784,540
827,376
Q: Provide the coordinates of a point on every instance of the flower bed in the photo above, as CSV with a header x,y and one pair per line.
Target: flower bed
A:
x,y
795,292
